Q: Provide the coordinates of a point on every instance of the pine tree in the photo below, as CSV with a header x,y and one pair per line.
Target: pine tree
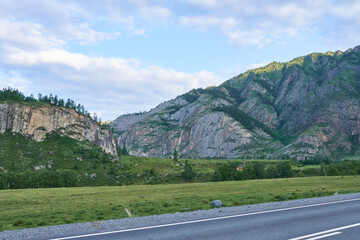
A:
x,y
56,100
124,151
188,173
175,156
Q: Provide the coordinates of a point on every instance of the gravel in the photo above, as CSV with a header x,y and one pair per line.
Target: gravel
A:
x,y
119,224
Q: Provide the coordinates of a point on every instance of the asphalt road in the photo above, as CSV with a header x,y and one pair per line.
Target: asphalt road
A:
x,y
327,218
281,224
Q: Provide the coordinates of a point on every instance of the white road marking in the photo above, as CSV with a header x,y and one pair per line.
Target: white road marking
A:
x,y
210,219
327,231
324,236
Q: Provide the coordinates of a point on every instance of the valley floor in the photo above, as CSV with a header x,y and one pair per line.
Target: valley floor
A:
x,y
25,208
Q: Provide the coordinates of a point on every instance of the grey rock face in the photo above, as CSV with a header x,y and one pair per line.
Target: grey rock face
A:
x,y
216,203
122,123
309,106
36,122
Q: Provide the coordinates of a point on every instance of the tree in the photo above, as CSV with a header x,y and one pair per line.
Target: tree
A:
x,y
11,94
30,98
259,170
56,100
61,102
95,117
175,156
333,171
188,173
226,172
323,168
78,108
272,172
124,151
284,169
68,103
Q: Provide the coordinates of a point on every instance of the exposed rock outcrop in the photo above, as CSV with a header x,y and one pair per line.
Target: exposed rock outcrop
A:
x,y
309,106
36,121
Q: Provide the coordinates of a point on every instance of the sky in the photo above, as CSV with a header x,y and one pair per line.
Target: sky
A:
x,y
126,56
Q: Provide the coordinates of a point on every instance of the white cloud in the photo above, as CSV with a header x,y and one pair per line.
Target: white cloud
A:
x,y
244,22
255,37
149,12
204,3
262,22
43,65
346,10
35,36
28,35
14,79
63,20
205,22
132,86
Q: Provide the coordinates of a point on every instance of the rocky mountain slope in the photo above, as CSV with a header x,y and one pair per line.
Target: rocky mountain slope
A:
x,y
307,107
38,120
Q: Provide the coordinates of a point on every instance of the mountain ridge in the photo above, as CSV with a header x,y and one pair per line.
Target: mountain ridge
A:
x,y
300,109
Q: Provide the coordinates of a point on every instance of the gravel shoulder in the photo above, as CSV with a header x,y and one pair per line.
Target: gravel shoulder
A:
x,y
50,232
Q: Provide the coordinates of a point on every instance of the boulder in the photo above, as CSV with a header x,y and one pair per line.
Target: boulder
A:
x,y
216,204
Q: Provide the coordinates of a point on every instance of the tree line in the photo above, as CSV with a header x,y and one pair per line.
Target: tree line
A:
x,y
252,170
227,171
11,94
38,179
263,170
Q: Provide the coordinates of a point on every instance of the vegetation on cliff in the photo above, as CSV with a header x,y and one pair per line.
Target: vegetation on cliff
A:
x,y
306,108
14,95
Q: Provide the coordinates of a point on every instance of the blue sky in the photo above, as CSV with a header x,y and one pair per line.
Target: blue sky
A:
x,y
118,57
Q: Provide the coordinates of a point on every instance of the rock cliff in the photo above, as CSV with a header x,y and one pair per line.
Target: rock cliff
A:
x,y
307,107
37,120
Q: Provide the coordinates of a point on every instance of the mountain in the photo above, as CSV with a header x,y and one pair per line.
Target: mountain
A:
x,y
308,107
37,120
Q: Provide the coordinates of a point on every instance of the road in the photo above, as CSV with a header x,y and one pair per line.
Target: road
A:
x,y
331,220
335,217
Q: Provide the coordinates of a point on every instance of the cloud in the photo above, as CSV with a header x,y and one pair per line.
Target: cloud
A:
x,y
36,37
243,22
260,23
107,85
255,37
13,79
27,35
90,79
203,23
63,20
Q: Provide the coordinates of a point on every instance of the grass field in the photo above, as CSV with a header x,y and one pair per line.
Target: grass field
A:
x,y
167,166
40,207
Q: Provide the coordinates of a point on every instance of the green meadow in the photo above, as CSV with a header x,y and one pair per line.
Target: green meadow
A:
x,y
24,208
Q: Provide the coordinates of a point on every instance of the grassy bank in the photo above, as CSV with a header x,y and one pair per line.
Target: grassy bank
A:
x,y
89,164
39,207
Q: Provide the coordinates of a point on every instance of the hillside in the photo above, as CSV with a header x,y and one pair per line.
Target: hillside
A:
x,y
57,161
301,109
36,120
